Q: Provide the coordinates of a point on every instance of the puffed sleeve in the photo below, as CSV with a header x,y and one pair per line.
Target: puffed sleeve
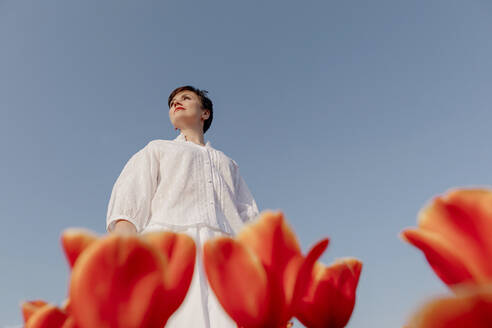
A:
x,y
245,202
133,190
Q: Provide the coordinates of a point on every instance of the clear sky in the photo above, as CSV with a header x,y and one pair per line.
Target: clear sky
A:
x,y
347,115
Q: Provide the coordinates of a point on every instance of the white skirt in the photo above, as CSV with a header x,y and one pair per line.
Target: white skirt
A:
x,y
200,308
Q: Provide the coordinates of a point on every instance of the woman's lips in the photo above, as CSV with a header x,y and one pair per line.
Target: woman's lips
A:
x,y
178,108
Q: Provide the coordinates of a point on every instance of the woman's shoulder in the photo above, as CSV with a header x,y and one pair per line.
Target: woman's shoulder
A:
x,y
155,146
224,156
159,143
230,162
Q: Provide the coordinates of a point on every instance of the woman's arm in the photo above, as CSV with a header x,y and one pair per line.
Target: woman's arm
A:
x,y
245,202
131,197
124,227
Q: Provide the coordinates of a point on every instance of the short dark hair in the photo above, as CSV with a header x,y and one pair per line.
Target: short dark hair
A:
x,y
202,95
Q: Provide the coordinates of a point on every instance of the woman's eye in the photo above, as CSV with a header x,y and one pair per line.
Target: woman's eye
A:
x,y
184,97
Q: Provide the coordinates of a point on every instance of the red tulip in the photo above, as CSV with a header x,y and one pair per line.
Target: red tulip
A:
x,y
180,252
470,307
258,276
28,308
454,233
39,314
128,281
327,298
75,241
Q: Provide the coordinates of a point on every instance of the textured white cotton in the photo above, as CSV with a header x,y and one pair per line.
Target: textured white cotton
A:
x,y
180,183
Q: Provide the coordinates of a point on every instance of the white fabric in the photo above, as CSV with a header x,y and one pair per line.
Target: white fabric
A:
x,y
180,183
200,308
180,186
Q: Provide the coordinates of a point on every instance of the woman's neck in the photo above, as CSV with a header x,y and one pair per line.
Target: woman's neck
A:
x,y
193,136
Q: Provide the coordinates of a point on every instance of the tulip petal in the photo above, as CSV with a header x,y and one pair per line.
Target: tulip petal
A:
x,y
471,307
445,260
69,323
118,282
329,299
75,241
271,239
304,274
275,244
238,280
464,218
47,316
180,252
29,307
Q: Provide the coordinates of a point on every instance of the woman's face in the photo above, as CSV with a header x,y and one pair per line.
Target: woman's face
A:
x,y
186,111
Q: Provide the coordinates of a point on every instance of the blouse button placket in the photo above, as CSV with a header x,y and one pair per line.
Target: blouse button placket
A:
x,y
210,191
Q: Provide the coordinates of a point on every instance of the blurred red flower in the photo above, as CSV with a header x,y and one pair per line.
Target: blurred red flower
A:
x,y
262,280
455,234
119,281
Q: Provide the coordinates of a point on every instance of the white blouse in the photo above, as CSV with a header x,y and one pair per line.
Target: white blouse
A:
x,y
178,183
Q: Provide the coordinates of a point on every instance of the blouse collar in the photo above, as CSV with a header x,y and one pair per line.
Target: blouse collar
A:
x,y
182,138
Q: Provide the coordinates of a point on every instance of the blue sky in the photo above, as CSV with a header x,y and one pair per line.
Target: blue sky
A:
x,y
349,116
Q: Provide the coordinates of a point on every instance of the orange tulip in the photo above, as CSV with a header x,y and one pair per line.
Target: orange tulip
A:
x,y
127,281
75,241
28,308
257,276
454,233
471,307
327,297
39,314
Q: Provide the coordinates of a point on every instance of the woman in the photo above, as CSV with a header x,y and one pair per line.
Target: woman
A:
x,y
184,185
